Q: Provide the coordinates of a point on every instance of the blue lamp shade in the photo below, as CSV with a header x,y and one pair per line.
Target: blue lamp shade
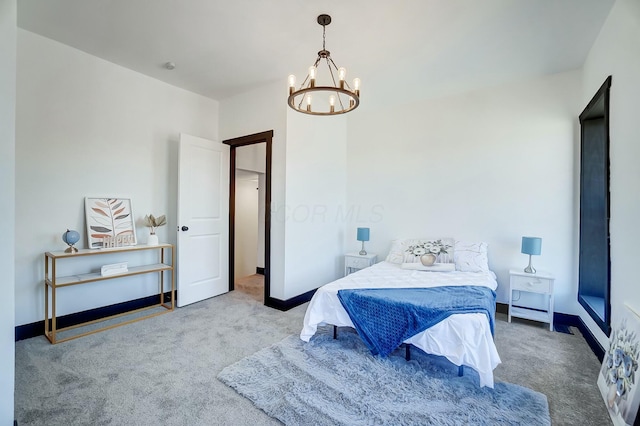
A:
x,y
363,234
531,245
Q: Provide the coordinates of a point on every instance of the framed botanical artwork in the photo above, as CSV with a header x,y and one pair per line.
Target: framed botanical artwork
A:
x,y
110,222
617,379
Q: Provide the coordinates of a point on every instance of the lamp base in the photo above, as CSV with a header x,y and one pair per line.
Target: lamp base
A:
x,y
530,269
363,252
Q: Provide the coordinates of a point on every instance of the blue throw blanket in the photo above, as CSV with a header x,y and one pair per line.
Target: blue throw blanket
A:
x,y
385,317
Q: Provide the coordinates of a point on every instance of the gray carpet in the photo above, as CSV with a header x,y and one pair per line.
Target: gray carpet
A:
x,y
162,371
338,382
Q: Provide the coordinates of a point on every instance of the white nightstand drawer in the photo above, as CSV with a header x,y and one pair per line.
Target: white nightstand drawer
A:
x,y
533,284
356,262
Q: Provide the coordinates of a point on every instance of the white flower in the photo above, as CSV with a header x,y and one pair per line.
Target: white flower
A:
x,y
436,247
419,251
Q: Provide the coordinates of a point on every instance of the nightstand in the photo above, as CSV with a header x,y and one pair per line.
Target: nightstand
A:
x,y
354,262
541,283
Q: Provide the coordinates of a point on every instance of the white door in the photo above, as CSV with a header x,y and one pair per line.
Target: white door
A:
x,y
203,219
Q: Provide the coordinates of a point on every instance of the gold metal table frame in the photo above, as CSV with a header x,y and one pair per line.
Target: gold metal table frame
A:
x,y
53,282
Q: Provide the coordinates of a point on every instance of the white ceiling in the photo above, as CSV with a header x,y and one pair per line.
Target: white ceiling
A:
x,y
398,48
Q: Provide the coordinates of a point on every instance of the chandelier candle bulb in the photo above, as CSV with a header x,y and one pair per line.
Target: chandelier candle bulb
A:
x,y
342,73
356,86
308,102
312,76
292,83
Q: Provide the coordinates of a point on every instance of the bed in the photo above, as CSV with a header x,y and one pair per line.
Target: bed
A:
x,y
464,339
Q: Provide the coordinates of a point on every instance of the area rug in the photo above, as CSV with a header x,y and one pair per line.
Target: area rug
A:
x,y
339,382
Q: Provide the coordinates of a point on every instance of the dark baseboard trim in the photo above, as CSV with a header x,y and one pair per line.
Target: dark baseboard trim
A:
x,y
561,320
593,343
34,329
285,305
259,270
502,308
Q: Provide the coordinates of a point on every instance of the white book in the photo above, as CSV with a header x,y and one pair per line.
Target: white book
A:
x,y
114,269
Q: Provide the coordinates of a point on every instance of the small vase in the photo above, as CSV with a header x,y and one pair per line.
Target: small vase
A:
x,y
428,259
152,240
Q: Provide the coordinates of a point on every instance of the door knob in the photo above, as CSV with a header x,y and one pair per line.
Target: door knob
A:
x,y
185,228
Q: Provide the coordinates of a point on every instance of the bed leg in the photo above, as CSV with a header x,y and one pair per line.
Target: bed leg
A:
x,y
335,332
460,370
407,352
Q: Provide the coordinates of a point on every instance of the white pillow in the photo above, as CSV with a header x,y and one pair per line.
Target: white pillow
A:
x,y
399,250
471,256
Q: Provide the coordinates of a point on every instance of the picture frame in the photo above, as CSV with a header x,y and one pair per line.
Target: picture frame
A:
x,y
618,377
110,222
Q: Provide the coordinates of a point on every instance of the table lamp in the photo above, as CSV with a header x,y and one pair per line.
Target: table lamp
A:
x,y
363,235
531,246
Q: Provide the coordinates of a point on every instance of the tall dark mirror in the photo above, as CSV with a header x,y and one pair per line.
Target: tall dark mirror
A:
x,y
595,260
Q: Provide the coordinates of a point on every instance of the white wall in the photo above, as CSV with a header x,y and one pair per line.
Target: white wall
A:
x,y
246,224
316,197
262,192
87,127
615,53
257,111
253,157
491,165
7,212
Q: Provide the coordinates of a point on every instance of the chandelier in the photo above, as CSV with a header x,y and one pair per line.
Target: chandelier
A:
x,y
324,97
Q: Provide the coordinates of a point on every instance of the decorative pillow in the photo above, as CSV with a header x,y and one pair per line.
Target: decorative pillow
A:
x,y
471,256
409,250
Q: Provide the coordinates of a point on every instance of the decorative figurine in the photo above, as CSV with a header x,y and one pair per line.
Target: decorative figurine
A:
x,y
71,237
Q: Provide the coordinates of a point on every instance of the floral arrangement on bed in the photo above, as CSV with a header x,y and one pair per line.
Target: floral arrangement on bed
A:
x,y
436,247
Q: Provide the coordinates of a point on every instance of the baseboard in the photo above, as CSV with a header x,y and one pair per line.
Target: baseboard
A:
x,y
593,343
259,271
34,329
564,321
285,305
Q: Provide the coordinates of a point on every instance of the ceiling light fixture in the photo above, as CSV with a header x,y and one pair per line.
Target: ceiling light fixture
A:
x,y
329,97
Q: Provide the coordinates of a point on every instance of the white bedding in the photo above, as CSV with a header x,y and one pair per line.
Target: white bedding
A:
x,y
464,339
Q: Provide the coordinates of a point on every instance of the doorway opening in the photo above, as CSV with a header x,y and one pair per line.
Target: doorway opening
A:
x,y
236,157
249,221
594,280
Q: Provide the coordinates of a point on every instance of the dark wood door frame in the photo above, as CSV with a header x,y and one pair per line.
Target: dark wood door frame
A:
x,y
594,261
262,137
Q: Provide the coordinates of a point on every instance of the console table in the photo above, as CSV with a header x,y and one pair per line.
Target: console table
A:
x,y
52,283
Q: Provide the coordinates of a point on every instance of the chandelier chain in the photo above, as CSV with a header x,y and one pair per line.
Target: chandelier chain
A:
x,y
324,36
